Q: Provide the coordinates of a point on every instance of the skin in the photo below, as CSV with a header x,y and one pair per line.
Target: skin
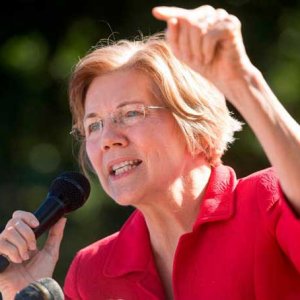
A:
x,y
164,161
168,184
210,42
220,56
17,242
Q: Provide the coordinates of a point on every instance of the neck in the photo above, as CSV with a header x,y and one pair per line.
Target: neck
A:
x,y
173,214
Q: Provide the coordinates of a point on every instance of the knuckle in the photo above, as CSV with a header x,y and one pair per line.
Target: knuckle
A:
x,y
207,7
16,222
9,231
221,12
234,20
14,255
17,214
10,251
200,29
13,224
22,215
203,10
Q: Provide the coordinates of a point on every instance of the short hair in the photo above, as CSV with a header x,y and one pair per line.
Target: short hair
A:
x,y
197,105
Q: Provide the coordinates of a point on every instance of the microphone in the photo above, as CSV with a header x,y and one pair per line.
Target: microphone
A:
x,y
42,289
67,192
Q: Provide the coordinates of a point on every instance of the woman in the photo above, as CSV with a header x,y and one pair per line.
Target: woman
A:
x,y
155,126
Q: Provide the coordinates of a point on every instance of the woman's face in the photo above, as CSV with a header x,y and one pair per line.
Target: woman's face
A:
x,y
149,156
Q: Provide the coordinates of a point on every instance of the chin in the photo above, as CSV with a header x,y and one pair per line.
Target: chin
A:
x,y
125,202
125,199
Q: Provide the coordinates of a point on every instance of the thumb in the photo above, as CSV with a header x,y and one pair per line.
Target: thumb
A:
x,y
166,12
55,237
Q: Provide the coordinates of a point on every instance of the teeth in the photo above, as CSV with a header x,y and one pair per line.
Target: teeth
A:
x,y
125,166
124,169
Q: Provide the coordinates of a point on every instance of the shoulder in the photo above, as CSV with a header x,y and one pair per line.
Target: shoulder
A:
x,y
98,250
262,186
265,179
261,174
95,254
90,261
87,264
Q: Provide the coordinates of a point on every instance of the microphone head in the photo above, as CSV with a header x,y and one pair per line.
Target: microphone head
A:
x,y
72,188
42,289
52,287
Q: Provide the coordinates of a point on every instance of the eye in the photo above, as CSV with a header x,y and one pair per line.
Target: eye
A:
x,y
133,113
93,126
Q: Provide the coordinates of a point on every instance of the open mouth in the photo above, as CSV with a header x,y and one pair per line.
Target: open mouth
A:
x,y
124,167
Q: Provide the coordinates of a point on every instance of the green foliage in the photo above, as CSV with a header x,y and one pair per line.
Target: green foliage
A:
x,y
39,45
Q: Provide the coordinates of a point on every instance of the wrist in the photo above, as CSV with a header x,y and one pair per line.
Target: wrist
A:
x,y
8,294
241,90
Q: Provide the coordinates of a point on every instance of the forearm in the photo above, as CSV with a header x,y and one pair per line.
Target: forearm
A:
x,y
276,130
221,58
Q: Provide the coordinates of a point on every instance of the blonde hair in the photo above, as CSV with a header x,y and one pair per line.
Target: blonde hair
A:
x,y
198,107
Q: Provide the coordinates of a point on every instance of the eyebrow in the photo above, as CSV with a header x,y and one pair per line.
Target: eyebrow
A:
x,y
124,103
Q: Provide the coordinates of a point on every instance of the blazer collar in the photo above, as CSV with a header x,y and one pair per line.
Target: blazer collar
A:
x,y
132,251
218,200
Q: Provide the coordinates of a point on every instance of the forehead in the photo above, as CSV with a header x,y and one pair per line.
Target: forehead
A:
x,y
107,92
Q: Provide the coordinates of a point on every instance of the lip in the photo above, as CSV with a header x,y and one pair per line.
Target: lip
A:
x,y
110,164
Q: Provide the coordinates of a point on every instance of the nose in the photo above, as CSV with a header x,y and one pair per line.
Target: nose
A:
x,y
112,136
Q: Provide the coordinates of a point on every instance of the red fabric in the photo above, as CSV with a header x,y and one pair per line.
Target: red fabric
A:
x,y
245,244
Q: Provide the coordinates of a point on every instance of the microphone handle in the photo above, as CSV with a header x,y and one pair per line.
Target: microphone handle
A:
x,y
4,263
49,212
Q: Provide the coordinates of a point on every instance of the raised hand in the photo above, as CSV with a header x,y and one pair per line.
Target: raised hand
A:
x,y
209,41
18,243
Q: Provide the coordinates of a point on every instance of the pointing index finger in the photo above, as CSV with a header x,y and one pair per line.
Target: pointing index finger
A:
x,y
166,12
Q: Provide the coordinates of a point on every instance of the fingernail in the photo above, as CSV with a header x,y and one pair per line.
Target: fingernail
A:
x,y
161,9
25,256
34,223
19,260
32,246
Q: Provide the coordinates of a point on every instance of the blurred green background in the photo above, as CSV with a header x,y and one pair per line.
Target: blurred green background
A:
x,y
42,40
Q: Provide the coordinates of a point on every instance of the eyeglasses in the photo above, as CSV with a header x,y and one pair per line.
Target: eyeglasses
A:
x,y
124,116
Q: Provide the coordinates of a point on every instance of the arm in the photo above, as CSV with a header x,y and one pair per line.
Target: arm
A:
x,y
28,264
276,130
210,42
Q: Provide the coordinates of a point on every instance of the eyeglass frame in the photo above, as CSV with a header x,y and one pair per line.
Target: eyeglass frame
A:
x,y
76,132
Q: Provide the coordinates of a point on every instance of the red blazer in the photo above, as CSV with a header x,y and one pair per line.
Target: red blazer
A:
x,y
245,244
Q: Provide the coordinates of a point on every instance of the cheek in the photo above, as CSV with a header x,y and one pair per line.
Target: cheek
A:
x,y
90,151
94,157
